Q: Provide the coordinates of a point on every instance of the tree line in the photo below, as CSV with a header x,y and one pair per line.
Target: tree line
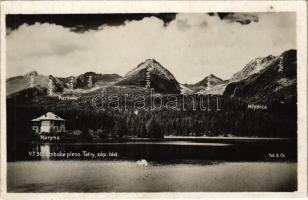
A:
x,y
234,119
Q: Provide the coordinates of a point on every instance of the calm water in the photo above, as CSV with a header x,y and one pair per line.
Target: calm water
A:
x,y
187,166
127,176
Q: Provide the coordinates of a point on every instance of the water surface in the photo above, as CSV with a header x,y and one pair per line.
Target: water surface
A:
x,y
184,165
127,176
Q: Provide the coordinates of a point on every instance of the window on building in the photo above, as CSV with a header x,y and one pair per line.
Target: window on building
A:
x,y
45,123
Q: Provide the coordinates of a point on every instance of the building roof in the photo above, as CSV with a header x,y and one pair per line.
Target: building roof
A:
x,y
48,116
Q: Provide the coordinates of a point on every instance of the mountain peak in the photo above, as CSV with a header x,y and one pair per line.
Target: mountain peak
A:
x,y
210,78
161,79
253,67
289,54
32,73
82,81
90,74
150,60
154,67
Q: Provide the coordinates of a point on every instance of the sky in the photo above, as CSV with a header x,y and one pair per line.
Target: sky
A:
x,y
190,45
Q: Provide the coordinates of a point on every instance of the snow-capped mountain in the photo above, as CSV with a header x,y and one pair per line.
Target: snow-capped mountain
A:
x,y
154,75
253,67
276,82
260,75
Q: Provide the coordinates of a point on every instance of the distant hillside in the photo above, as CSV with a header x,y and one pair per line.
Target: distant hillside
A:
x,y
211,84
210,79
27,94
259,80
270,83
97,79
19,83
253,67
82,81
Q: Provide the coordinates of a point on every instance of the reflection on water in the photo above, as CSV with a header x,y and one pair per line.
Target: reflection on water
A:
x,y
161,151
45,151
182,166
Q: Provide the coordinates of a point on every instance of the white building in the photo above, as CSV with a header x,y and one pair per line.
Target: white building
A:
x,y
47,123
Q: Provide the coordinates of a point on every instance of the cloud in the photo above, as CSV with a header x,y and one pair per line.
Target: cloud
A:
x,y
82,22
242,18
188,21
191,46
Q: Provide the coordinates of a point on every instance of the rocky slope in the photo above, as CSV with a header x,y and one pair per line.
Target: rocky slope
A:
x,y
211,84
253,67
276,82
153,74
262,79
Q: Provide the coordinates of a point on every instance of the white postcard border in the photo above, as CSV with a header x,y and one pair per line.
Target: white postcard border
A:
x,y
57,7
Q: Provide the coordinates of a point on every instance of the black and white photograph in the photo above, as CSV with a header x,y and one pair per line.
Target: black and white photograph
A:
x,y
151,102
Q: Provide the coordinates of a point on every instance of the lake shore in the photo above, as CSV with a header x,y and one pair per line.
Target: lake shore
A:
x,y
200,139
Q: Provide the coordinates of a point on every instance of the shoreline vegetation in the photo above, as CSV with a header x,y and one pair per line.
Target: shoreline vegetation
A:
x,y
189,138
65,138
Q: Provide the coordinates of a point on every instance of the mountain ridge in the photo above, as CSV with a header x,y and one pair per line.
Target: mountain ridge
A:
x,y
159,78
253,67
275,82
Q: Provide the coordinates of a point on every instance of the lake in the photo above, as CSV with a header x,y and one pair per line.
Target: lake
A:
x,y
182,165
